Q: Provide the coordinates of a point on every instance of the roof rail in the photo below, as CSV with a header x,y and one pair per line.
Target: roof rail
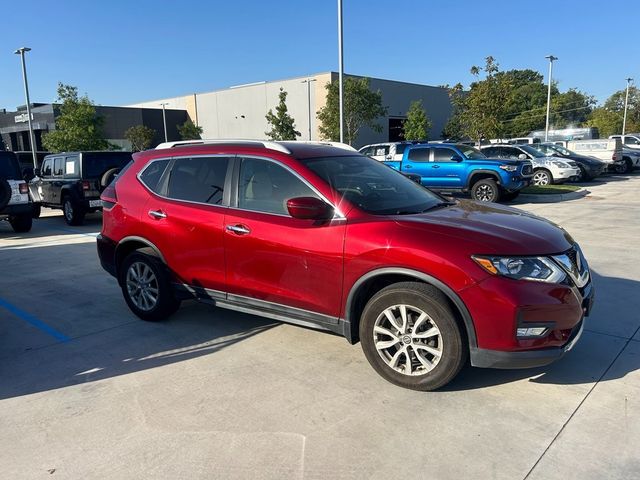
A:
x,y
187,143
344,146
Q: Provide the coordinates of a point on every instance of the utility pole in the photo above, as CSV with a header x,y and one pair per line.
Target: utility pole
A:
x,y
164,121
21,52
340,71
308,82
626,102
546,128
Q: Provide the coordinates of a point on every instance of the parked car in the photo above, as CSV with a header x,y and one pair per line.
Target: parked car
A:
x,y
449,167
15,204
607,150
320,236
590,167
630,140
630,152
523,141
385,151
546,170
73,181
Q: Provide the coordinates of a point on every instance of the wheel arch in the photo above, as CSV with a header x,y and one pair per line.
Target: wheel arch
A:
x,y
368,284
477,175
130,244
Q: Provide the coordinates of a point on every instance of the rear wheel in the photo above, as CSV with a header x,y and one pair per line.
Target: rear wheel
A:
x,y
146,286
542,177
625,167
21,223
411,338
73,213
485,190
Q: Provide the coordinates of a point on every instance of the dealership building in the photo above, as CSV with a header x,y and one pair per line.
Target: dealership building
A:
x,y
239,111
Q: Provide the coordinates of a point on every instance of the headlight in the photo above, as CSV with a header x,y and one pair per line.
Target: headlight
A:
x,y
538,269
561,164
509,168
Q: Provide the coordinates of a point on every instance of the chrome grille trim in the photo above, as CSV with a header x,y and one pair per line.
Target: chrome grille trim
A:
x,y
573,262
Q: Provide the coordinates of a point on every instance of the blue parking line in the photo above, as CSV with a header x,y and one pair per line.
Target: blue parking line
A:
x,y
40,325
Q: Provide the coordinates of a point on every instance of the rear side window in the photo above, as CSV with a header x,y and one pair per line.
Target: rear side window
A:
x,y
152,174
9,167
381,150
419,154
199,179
94,165
57,166
400,148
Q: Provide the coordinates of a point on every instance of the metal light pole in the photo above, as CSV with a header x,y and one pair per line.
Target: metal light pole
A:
x,y
21,52
340,71
626,102
164,121
308,82
546,128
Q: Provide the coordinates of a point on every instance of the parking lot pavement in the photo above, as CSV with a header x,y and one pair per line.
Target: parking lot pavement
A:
x,y
89,391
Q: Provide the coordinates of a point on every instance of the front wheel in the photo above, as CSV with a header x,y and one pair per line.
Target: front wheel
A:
x,y
21,223
485,190
542,177
411,338
146,286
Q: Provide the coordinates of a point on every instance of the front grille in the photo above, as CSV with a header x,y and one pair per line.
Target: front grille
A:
x,y
527,170
574,263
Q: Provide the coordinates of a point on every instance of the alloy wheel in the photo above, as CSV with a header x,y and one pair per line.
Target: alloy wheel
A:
x,y
68,210
540,178
408,340
485,193
142,286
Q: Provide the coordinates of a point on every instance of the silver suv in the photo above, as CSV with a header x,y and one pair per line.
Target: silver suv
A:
x,y
15,205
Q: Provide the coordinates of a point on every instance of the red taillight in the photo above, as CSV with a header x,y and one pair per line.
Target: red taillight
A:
x,y
86,185
24,188
109,194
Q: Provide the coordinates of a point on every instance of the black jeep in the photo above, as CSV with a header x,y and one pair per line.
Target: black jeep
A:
x,y
73,181
15,204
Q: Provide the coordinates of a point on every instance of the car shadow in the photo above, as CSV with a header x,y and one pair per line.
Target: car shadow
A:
x,y
53,224
608,329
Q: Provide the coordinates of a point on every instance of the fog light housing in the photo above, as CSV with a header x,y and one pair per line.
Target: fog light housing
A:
x,y
531,332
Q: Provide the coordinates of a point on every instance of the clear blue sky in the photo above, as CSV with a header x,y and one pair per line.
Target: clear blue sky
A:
x,y
121,52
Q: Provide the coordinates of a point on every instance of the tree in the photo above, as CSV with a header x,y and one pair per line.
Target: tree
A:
x,y
140,137
282,124
615,103
570,109
189,131
361,108
608,122
78,127
417,124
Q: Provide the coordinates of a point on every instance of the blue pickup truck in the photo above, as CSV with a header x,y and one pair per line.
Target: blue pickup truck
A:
x,y
458,167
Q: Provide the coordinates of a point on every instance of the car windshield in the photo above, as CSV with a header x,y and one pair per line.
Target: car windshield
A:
x,y
532,151
9,168
373,186
471,153
561,149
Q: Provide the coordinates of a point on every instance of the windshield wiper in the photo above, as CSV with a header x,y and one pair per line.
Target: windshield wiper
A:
x,y
438,205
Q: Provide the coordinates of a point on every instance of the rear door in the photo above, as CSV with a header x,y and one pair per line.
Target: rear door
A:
x,y
417,162
184,218
272,258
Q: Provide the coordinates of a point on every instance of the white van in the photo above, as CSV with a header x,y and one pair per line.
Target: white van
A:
x,y
609,150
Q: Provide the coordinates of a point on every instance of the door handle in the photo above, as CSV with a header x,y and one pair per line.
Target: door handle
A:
x,y
238,229
157,214
408,166
435,166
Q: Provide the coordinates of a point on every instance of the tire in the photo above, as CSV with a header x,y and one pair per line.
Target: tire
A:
x,y
542,177
428,370
157,300
36,211
21,223
73,213
485,190
508,196
5,193
108,176
626,167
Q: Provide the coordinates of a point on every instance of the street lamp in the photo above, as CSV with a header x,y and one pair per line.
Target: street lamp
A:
x,y
21,52
626,102
340,71
308,82
546,128
164,121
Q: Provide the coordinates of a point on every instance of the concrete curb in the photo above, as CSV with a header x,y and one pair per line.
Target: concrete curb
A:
x,y
550,198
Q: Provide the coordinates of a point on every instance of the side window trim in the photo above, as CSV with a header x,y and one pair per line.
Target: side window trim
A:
x,y
338,215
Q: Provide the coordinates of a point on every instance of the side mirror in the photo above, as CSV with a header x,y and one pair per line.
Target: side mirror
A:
x,y
37,172
388,157
309,208
456,158
523,156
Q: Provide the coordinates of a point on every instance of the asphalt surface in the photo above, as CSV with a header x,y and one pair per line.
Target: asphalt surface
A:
x,y
89,391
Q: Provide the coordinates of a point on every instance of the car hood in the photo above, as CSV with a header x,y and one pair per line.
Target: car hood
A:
x,y
495,229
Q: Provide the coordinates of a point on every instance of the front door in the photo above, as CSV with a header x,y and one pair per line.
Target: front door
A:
x,y
447,168
46,179
274,258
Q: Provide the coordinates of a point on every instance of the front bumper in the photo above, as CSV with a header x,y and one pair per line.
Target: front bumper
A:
x,y
563,174
107,254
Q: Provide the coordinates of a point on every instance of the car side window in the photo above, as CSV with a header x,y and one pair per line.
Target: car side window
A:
x,y
152,174
265,186
381,150
47,167
443,154
400,148
512,153
419,154
198,179
58,168
630,141
71,166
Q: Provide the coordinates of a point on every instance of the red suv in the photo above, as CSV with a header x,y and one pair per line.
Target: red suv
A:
x,y
322,236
